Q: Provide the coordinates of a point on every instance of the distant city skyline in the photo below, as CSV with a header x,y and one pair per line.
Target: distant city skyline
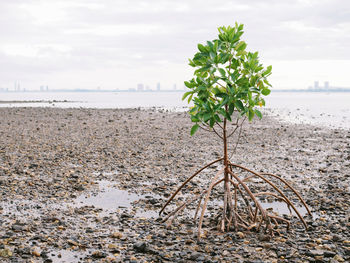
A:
x,y
326,87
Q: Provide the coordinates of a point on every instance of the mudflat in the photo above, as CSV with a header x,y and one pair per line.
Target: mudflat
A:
x,y
85,185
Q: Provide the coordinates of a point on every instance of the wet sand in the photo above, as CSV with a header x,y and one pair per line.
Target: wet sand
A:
x,y
61,168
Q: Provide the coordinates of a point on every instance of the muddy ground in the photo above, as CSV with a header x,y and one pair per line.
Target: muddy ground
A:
x,y
86,185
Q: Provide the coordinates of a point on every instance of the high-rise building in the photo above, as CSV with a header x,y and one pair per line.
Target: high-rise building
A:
x,y
316,86
140,87
326,85
158,86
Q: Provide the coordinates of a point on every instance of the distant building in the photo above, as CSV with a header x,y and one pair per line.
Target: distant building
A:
x,y
174,87
158,86
326,85
316,86
140,87
17,86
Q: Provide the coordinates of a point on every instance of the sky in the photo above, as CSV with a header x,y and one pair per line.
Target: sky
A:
x,y
116,44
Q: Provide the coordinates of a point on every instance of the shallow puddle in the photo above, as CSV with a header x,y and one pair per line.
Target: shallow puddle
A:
x,y
67,256
109,197
281,208
112,199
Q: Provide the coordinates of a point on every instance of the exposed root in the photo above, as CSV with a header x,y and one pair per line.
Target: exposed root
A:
x,y
211,186
241,207
279,191
184,183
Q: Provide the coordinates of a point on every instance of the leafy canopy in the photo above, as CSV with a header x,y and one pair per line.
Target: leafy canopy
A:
x,y
227,79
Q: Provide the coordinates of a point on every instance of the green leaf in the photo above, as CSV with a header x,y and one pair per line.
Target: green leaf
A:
x,y
221,95
217,118
186,94
250,114
210,44
212,122
258,113
189,98
201,48
265,92
206,116
241,46
194,118
222,72
267,71
231,108
194,129
239,105
188,84
267,83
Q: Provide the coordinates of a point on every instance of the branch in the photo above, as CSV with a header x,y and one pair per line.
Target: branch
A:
x,y
218,133
205,129
213,98
219,125
233,132
221,85
239,136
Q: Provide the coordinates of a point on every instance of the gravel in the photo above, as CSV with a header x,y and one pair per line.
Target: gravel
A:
x,y
62,172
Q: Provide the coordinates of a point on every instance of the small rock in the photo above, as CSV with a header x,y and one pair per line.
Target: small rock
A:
x,y
117,235
338,258
140,247
240,235
5,253
315,252
79,188
329,254
189,241
336,238
72,242
195,255
17,227
263,237
99,254
113,246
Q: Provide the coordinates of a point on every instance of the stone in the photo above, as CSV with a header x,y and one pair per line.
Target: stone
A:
x,y
339,258
6,253
240,235
140,247
117,235
329,254
315,252
98,254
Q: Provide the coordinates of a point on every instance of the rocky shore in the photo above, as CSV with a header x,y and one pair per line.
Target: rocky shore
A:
x,y
86,185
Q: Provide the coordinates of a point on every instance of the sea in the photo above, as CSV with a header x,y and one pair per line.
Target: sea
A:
x,y
326,109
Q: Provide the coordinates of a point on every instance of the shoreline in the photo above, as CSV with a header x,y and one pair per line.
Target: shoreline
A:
x,y
53,156
33,101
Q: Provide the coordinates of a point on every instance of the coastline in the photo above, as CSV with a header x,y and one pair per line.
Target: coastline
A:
x,y
50,157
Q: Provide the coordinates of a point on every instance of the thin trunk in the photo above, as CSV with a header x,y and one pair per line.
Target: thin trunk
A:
x,y
227,205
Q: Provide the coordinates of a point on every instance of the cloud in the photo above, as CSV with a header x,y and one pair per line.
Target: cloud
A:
x,y
90,36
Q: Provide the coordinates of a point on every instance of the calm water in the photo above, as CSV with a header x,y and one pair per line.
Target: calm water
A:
x,y
326,109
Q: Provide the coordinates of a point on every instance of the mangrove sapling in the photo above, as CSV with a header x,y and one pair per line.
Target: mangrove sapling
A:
x,y
228,87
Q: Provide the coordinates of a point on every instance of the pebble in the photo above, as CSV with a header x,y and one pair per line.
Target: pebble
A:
x,y
5,253
51,158
140,247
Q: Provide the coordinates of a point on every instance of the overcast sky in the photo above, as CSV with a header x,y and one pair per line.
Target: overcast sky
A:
x,y
120,43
